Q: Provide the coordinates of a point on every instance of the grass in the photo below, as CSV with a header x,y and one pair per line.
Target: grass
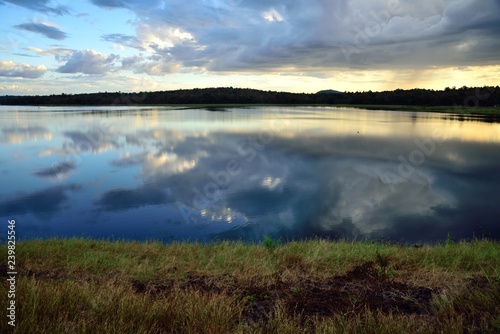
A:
x,y
90,286
461,110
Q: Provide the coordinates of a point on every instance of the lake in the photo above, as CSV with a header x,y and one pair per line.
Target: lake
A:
x,y
178,174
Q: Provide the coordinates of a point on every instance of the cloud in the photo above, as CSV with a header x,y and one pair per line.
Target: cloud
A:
x,y
39,6
47,30
312,35
5,45
24,55
11,88
154,65
87,62
50,52
109,3
166,46
12,69
272,15
126,40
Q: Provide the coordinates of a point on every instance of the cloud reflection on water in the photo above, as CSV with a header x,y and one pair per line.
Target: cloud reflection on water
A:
x,y
43,203
57,171
20,134
309,178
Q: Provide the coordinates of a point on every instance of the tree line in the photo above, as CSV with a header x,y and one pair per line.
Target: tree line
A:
x,y
487,96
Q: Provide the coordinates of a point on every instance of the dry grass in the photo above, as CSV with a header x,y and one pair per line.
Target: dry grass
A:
x,y
88,286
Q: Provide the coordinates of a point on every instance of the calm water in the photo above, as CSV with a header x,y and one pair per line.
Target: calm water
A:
x,y
242,173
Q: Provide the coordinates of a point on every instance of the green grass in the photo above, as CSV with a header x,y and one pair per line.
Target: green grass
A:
x,y
90,286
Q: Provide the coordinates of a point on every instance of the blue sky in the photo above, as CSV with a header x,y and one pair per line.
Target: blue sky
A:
x,y
53,47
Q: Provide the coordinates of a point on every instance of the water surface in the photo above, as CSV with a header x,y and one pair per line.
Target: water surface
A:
x,y
242,173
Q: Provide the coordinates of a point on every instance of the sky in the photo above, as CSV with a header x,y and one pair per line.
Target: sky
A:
x,y
54,47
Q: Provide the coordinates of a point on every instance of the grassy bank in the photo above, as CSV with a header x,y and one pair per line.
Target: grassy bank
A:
x,y
87,286
461,110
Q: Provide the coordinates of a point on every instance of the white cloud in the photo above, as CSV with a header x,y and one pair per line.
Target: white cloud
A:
x,y
50,52
10,87
154,65
87,62
12,69
162,36
272,15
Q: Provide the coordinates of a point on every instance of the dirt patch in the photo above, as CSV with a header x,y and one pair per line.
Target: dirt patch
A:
x,y
362,288
365,287
152,288
54,274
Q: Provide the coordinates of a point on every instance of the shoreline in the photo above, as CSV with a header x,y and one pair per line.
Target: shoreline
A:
x,y
455,110
321,286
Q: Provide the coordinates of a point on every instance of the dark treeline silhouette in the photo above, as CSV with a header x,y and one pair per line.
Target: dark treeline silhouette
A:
x,y
464,96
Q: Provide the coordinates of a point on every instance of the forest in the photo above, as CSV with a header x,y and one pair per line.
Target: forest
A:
x,y
487,96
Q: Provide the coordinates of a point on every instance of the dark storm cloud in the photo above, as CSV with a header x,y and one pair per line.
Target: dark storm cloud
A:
x,y
258,35
39,6
43,29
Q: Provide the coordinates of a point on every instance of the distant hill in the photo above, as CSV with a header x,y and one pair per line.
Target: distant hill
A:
x,y
483,96
329,91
